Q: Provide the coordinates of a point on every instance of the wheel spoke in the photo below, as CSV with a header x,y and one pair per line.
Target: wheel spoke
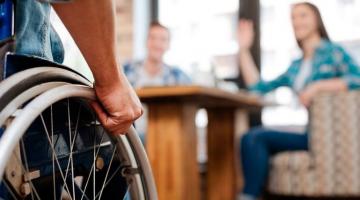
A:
x,y
72,143
94,161
54,153
27,170
74,139
71,149
112,176
93,165
107,173
83,193
77,123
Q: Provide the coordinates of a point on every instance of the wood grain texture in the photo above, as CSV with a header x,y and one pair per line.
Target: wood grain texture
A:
x,y
171,146
221,175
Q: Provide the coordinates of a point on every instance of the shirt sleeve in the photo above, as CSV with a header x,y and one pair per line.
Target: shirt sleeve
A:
x,y
262,87
181,77
349,69
129,73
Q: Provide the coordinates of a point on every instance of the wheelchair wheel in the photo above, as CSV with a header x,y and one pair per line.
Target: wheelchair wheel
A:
x,y
54,148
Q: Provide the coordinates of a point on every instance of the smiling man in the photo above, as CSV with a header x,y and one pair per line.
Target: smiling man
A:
x,y
153,71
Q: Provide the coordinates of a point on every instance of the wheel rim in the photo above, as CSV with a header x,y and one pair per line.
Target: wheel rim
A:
x,y
14,133
17,83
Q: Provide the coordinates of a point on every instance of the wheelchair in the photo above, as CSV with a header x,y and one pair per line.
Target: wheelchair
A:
x,y
53,147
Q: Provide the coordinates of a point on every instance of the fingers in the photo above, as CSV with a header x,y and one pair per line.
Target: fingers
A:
x,y
245,28
116,124
117,127
138,112
118,107
245,34
101,114
246,23
305,100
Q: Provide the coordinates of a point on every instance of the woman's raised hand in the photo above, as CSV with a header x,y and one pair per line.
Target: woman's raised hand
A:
x,y
245,34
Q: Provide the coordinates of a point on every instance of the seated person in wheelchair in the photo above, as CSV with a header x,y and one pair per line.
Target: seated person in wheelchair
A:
x,y
153,71
92,25
323,67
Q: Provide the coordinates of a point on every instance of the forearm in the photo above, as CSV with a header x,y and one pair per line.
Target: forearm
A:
x,y
92,25
331,85
248,67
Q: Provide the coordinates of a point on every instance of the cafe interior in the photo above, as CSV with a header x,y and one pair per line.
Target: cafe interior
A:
x,y
200,105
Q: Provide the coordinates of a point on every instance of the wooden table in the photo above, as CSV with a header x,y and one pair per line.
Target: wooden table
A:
x,y
171,139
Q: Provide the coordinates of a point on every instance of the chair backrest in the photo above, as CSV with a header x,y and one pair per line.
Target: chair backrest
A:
x,y
335,134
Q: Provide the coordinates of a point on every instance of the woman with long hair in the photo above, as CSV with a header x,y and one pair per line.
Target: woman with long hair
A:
x,y
323,67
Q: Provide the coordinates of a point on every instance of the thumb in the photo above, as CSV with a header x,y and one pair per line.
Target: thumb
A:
x,y
101,114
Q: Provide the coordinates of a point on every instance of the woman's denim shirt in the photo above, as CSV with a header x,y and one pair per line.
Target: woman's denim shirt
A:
x,y
34,34
329,61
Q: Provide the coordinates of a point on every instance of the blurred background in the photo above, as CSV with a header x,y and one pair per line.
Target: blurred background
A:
x,y
203,41
204,45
